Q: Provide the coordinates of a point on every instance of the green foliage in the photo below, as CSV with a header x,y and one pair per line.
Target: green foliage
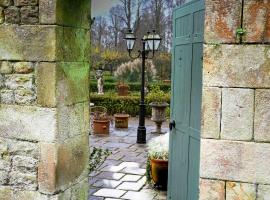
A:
x,y
156,95
107,59
119,104
97,158
135,86
162,61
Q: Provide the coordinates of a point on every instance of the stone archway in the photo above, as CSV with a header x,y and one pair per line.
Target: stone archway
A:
x,y
44,92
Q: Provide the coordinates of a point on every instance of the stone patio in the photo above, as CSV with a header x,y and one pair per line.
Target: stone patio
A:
x,y
122,175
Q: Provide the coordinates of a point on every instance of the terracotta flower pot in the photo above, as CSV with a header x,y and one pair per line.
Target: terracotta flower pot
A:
x,y
122,89
167,82
101,127
159,172
121,120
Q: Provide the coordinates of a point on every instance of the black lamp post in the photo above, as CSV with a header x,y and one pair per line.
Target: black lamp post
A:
x,y
150,43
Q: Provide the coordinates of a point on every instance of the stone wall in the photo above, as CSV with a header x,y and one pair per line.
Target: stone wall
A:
x,y
44,99
235,148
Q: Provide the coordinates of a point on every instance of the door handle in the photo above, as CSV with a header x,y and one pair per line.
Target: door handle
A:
x,y
172,125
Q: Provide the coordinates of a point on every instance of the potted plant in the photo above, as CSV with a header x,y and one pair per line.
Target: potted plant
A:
x,y
122,89
158,103
101,121
157,163
121,120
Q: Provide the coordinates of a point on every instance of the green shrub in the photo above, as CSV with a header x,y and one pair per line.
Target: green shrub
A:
x,y
119,104
110,86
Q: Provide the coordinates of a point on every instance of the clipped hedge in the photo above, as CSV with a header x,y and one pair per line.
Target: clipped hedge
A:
x,y
118,104
109,86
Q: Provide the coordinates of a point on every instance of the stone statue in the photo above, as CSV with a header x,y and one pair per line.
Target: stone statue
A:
x,y
100,82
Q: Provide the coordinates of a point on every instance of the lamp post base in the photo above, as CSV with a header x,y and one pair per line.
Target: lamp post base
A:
x,y
141,135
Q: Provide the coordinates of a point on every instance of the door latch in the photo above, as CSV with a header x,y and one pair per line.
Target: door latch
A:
x,y
172,125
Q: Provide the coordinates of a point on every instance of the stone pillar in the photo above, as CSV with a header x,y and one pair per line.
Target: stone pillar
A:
x,y
235,148
44,98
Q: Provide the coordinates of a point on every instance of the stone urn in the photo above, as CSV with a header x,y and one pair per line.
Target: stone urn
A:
x,y
121,120
159,114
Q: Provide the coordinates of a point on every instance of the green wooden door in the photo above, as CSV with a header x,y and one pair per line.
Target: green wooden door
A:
x,y
187,53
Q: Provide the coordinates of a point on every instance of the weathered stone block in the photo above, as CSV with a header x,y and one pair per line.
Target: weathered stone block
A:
x,y
237,66
29,15
20,81
3,177
46,84
24,97
32,43
243,191
22,148
9,193
47,168
73,120
72,83
68,16
24,164
263,192
47,11
74,150
5,3
5,164
212,190
5,67
211,112
2,16
23,181
236,161
73,45
12,15
262,116
23,67
237,114
56,168
28,123
3,147
7,97
25,2
257,21
222,18
2,81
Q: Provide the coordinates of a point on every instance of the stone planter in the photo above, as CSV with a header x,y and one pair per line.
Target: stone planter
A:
x,y
159,114
121,120
159,173
101,127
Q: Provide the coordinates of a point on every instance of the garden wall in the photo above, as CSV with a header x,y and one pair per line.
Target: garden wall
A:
x,y
235,147
44,99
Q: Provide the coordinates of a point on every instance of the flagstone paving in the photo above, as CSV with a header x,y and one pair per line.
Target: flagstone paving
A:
x,y
122,175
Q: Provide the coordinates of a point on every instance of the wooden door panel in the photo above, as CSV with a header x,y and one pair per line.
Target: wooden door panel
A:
x,y
186,102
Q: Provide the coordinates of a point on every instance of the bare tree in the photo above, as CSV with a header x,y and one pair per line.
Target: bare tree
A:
x,y
98,30
115,24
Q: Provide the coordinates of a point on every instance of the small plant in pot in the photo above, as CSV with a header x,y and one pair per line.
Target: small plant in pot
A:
x,y
122,89
101,120
157,97
157,163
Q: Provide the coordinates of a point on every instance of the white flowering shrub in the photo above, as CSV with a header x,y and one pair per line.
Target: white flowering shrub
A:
x,y
131,71
158,148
